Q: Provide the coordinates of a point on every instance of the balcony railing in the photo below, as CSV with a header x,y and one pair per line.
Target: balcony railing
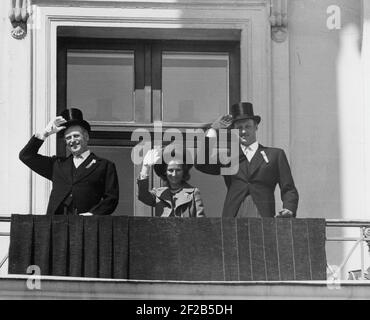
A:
x,y
361,241
4,220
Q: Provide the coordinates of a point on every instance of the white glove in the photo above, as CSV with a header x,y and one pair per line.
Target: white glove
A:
x,y
222,122
150,158
54,126
86,214
285,213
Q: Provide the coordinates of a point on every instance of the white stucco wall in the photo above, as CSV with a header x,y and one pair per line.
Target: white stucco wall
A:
x,y
329,118
326,106
15,128
15,104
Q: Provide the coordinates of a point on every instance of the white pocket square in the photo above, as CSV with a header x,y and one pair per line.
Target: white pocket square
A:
x,y
264,156
91,163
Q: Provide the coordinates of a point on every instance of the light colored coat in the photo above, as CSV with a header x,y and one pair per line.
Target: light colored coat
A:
x,y
186,203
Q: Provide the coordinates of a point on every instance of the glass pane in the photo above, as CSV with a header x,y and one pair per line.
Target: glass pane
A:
x,y
101,84
195,86
121,157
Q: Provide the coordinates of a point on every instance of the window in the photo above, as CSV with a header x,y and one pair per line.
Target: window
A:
x,y
124,84
101,83
195,86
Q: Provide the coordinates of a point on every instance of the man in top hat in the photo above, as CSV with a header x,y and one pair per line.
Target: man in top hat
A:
x,y
250,191
82,182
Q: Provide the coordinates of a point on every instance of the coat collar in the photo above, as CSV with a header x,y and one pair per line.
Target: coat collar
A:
x,y
182,197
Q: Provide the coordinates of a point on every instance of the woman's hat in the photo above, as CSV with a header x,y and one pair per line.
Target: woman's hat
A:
x,y
243,110
173,152
74,117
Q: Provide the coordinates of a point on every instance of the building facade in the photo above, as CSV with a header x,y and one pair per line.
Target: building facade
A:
x,y
304,64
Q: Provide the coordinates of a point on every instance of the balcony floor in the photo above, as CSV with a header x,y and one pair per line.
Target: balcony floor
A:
x,y
15,287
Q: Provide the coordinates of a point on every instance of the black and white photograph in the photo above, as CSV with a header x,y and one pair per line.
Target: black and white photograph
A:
x,y
204,152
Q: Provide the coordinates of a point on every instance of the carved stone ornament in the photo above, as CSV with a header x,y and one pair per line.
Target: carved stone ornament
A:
x,y
279,20
366,233
18,17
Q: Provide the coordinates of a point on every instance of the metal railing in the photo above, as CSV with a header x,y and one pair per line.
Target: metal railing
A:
x,y
362,239
4,219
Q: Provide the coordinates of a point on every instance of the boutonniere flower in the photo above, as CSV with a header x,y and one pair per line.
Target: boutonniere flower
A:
x,y
91,163
264,156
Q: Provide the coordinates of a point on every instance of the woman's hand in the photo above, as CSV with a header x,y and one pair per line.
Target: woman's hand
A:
x,y
151,158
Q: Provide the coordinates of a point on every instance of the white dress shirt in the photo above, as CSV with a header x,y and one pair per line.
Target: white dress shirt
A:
x,y
77,160
250,150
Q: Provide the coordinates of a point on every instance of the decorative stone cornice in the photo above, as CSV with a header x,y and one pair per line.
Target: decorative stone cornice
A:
x,y
18,16
366,234
279,20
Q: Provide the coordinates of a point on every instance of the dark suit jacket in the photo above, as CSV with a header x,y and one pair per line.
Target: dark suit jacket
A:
x,y
93,188
259,179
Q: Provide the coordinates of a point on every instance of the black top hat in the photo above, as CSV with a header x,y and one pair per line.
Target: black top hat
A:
x,y
171,151
243,110
74,117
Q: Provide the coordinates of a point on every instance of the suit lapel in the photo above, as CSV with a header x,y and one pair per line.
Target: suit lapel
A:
x,y
256,161
87,167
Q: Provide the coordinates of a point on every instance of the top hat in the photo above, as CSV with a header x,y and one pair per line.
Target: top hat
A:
x,y
74,117
172,152
243,110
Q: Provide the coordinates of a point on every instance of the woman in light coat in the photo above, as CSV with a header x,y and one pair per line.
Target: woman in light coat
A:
x,y
177,198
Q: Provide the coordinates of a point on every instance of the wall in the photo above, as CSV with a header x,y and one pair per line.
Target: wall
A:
x,y
328,117
15,127
15,115
319,67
